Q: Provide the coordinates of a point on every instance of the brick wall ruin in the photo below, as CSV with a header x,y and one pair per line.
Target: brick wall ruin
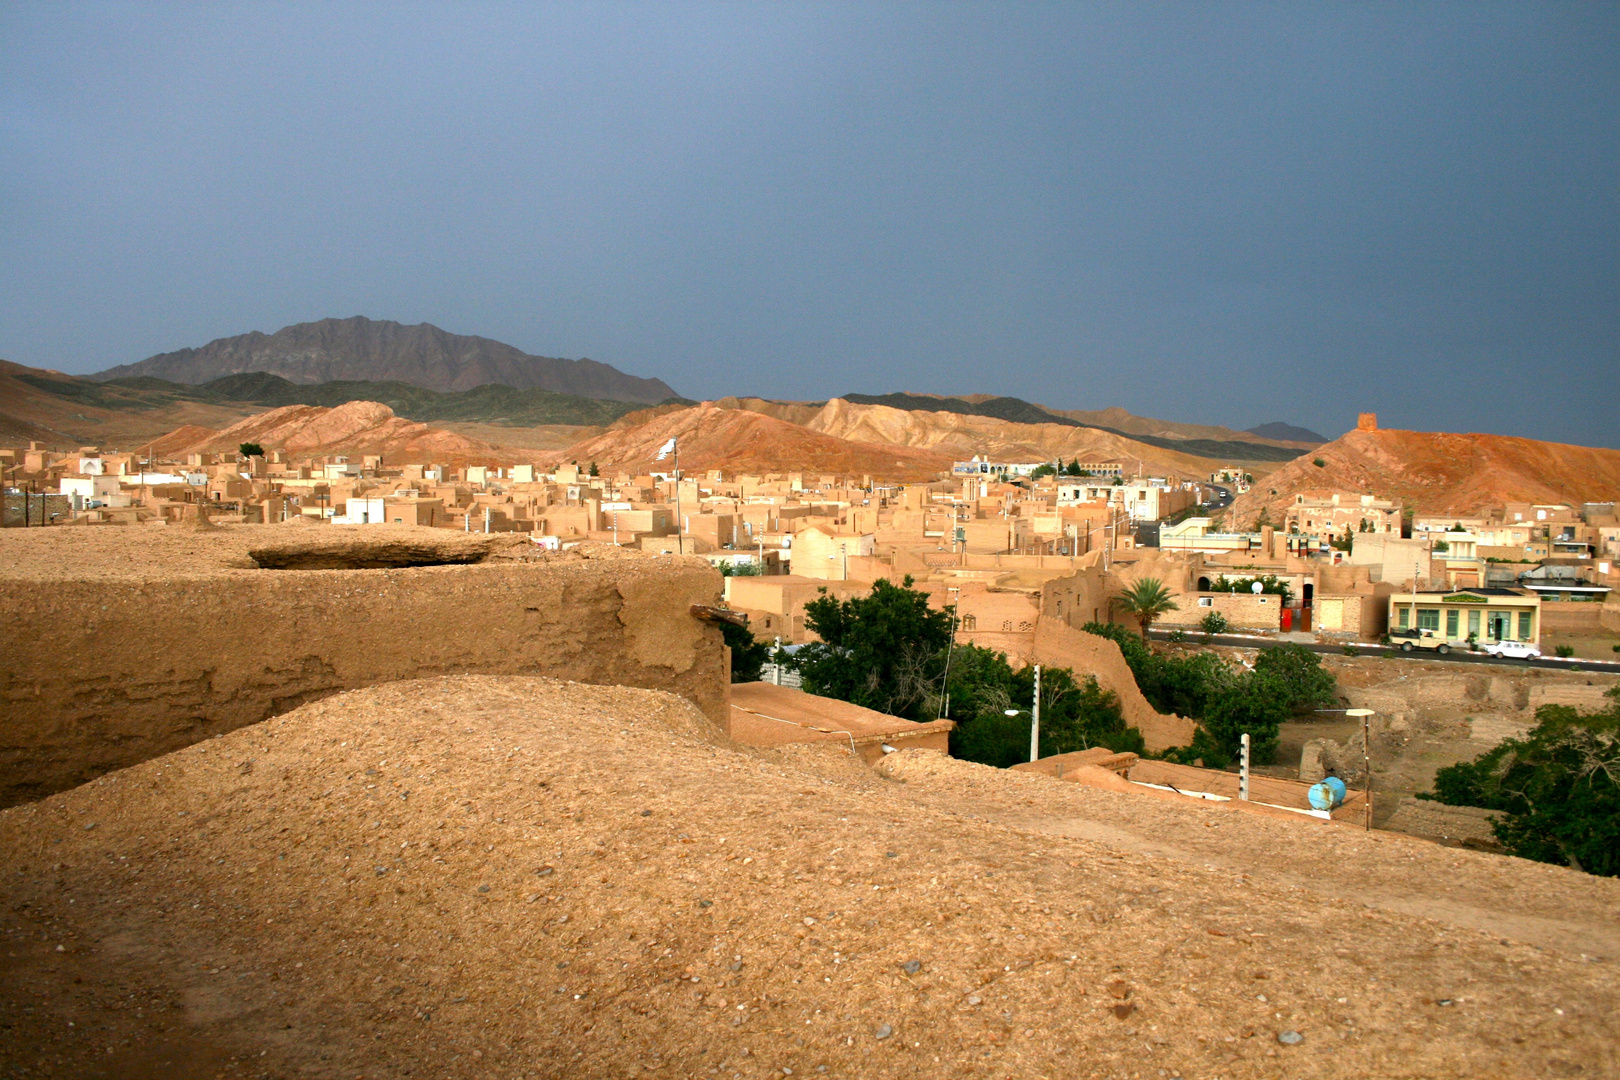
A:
x,y
100,673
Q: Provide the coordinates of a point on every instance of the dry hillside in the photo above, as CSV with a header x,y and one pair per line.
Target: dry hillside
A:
x,y
742,440
961,436
481,877
1438,473
65,412
357,428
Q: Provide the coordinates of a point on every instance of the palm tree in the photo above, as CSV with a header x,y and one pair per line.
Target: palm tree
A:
x,y
1147,599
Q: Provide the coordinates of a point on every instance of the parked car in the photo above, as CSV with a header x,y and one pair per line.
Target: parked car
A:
x,y
1407,640
1518,650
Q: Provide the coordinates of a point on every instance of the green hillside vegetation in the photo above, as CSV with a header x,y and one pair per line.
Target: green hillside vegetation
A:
x,y
489,404
1019,411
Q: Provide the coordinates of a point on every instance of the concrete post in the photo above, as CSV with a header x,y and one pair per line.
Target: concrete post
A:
x,y
1035,720
1243,770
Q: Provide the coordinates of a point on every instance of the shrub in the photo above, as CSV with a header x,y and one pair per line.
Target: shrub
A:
x,y
1565,651
1178,636
1299,676
1214,623
1559,787
1351,650
1319,463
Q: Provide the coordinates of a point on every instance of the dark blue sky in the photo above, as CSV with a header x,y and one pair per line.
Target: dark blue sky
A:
x,y
1221,213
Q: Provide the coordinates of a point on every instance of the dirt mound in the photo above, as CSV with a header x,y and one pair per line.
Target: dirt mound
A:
x,y
743,440
961,436
1439,473
471,877
355,428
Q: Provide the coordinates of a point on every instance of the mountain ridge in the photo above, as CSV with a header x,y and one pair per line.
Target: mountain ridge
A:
x,y
358,349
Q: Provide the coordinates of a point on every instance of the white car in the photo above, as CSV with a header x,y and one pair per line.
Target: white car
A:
x,y
1517,650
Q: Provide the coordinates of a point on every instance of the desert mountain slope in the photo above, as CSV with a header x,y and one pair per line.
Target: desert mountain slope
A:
x,y
1208,442
473,877
361,349
66,411
741,440
960,436
356,428
1439,473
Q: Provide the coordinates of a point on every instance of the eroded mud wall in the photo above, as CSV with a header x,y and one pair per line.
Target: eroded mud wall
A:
x,y
100,674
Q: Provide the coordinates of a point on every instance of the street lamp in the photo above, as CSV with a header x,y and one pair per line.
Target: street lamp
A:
x,y
1366,757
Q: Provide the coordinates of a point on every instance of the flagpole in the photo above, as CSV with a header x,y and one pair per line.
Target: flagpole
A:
x,y
680,542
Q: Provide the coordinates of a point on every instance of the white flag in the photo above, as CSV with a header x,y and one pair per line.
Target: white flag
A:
x,y
668,449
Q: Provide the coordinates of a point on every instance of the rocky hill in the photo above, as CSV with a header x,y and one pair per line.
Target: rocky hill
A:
x,y
1439,473
1287,433
1197,439
423,355
960,436
741,440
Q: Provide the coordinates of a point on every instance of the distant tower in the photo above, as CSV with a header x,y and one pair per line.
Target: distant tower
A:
x,y
1367,421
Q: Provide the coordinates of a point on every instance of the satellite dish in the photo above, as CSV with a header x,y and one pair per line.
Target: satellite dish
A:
x,y
1257,588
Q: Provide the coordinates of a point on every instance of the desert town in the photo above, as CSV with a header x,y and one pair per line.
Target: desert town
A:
x,y
801,541
1441,635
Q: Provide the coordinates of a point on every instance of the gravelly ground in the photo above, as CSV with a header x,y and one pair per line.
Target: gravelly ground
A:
x,y
485,877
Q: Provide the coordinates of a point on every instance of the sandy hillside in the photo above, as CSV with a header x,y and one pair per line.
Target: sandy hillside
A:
x,y
476,877
743,440
962,436
65,412
354,428
1439,473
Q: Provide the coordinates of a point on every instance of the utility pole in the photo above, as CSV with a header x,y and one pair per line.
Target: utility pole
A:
x,y
680,541
950,647
1035,720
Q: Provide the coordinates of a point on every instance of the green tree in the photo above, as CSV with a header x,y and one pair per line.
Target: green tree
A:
x,y
250,449
1226,701
1251,703
748,654
1044,469
884,651
1303,681
593,471
1558,788
1076,714
1145,600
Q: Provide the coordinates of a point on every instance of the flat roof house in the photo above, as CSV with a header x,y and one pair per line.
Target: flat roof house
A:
x,y
1482,614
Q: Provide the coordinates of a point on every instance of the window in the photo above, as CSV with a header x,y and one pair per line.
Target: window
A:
x,y
1206,601
1452,616
1473,624
1428,618
1401,615
1524,625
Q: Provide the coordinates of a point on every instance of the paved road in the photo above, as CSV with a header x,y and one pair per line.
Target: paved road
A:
x,y
1246,641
